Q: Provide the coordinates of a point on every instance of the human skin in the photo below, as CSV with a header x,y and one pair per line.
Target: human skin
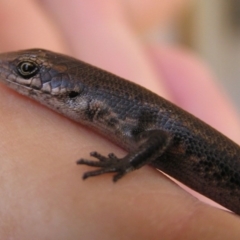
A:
x,y
42,193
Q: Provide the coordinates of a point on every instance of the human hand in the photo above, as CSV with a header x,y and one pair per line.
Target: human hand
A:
x,y
42,193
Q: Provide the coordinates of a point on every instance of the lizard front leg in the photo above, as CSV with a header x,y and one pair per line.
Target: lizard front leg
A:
x,y
151,145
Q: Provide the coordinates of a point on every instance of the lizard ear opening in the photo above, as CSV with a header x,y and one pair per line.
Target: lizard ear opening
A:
x,y
73,94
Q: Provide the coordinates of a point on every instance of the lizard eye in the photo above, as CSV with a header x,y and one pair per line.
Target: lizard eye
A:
x,y
27,69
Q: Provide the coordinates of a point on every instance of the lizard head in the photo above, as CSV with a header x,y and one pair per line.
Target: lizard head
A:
x,y
50,78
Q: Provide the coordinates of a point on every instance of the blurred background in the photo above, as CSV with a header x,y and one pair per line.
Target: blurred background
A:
x,y
209,28
212,29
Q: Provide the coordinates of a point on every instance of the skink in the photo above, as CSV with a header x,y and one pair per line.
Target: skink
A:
x,y
153,130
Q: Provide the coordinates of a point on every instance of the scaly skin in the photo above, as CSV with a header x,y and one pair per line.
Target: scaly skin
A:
x,y
153,130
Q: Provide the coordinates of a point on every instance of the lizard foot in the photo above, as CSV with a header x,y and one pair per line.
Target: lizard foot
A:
x,y
109,164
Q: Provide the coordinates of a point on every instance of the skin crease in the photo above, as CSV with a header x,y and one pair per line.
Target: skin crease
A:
x,y
42,194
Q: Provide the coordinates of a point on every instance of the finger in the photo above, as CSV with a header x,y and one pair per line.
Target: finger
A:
x,y
41,187
97,33
145,16
24,25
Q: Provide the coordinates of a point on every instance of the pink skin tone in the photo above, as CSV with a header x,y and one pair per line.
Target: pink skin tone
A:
x,y
42,194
